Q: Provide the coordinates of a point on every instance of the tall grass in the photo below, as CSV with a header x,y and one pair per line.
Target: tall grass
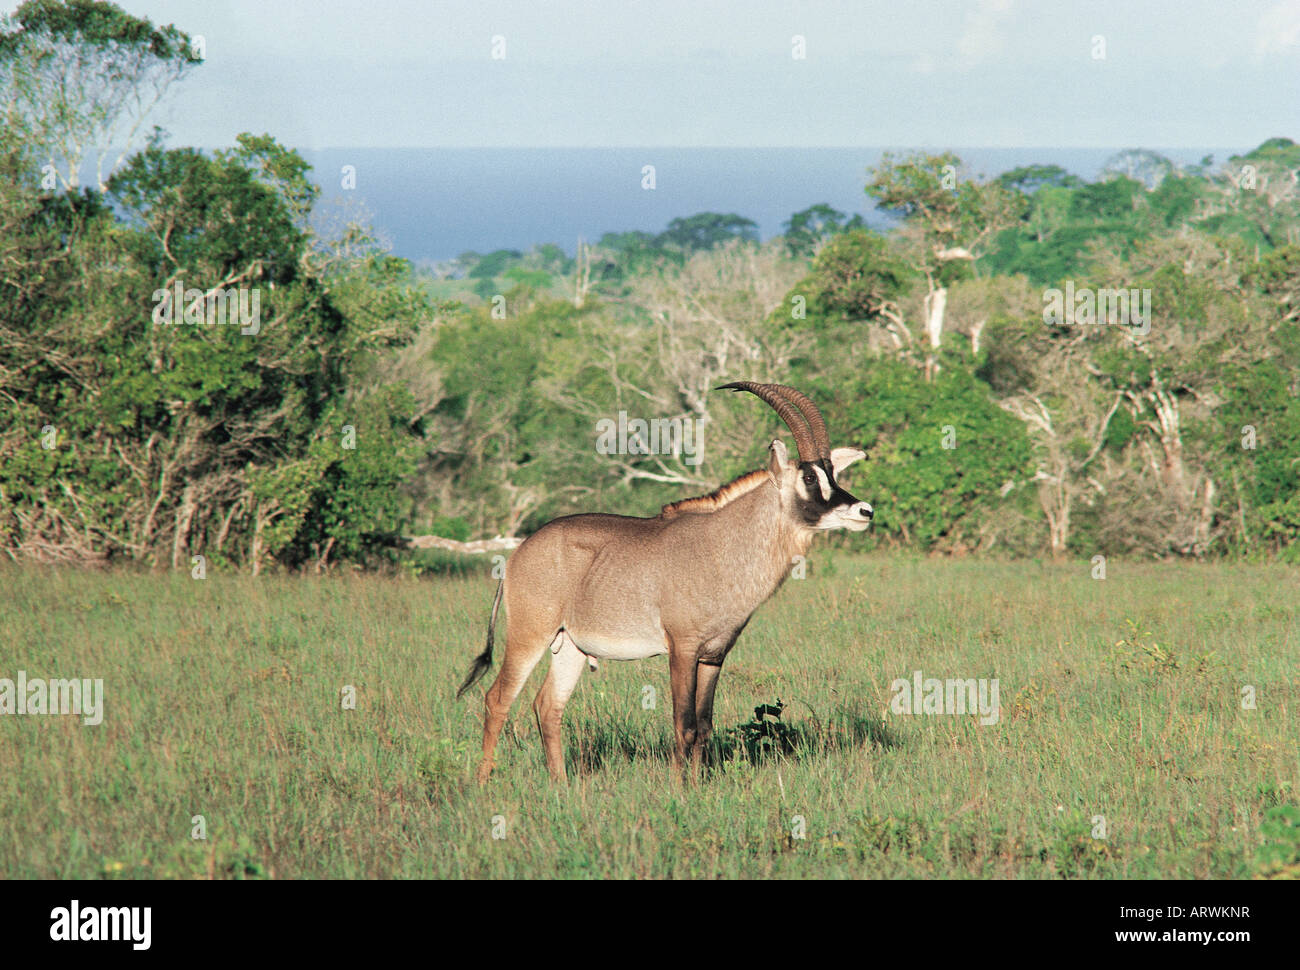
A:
x,y
1123,748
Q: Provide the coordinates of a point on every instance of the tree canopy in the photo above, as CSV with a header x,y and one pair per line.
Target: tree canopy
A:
x,y
191,374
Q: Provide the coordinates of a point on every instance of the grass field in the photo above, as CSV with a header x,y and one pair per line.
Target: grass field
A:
x,y
1120,699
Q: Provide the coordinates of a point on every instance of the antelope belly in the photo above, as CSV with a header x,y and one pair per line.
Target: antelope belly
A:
x,y
619,648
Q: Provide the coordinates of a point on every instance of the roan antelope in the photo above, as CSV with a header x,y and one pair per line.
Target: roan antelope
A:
x,y
613,587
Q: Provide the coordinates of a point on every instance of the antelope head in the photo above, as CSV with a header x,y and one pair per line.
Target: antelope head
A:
x,y
808,487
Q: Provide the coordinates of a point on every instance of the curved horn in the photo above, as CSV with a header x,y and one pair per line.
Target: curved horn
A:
x,y
816,423
792,415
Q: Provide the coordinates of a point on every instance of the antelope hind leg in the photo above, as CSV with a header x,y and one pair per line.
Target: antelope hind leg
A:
x,y
567,665
522,654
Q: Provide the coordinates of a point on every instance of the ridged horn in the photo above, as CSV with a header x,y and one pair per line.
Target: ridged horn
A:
x,y
816,423
791,414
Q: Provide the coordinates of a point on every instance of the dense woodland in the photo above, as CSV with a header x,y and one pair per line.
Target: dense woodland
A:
x,y
376,400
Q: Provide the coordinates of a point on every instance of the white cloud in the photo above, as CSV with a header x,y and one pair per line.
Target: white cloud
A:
x,y
923,64
981,37
1279,28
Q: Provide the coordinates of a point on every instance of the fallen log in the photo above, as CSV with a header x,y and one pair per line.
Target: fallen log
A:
x,y
474,548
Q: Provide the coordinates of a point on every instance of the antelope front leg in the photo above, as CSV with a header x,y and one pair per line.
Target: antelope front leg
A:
x,y
706,683
682,669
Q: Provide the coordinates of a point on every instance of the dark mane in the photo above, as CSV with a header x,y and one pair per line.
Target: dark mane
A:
x,y
718,497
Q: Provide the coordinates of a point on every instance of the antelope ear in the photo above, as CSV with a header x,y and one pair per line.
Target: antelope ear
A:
x,y
780,460
842,458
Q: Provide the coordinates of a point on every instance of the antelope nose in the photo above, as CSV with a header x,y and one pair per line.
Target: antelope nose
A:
x,y
865,510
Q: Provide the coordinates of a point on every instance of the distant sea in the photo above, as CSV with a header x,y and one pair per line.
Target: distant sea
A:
x,y
431,205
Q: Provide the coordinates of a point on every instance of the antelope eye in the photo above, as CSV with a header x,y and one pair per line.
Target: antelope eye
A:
x,y
809,480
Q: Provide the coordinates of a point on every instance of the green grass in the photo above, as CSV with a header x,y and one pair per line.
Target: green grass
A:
x,y
1120,698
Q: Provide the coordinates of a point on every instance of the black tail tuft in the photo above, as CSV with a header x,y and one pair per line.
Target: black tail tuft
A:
x,y
483,662
477,669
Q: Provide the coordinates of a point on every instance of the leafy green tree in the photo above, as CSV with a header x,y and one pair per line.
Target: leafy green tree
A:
x,y
1252,447
174,433
498,454
1278,276
627,242
942,454
534,279
490,267
549,258
1261,189
1146,167
1114,200
706,230
806,231
355,407
1283,152
857,276
1067,223
619,255
1176,200
948,222
82,76
495,263
1028,179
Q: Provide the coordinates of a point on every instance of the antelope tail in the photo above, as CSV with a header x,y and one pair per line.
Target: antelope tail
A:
x,y
483,661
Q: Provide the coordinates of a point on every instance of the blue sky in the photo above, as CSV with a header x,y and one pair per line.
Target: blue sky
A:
x,y
998,73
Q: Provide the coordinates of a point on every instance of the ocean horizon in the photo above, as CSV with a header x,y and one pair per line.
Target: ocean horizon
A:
x,y
430,205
